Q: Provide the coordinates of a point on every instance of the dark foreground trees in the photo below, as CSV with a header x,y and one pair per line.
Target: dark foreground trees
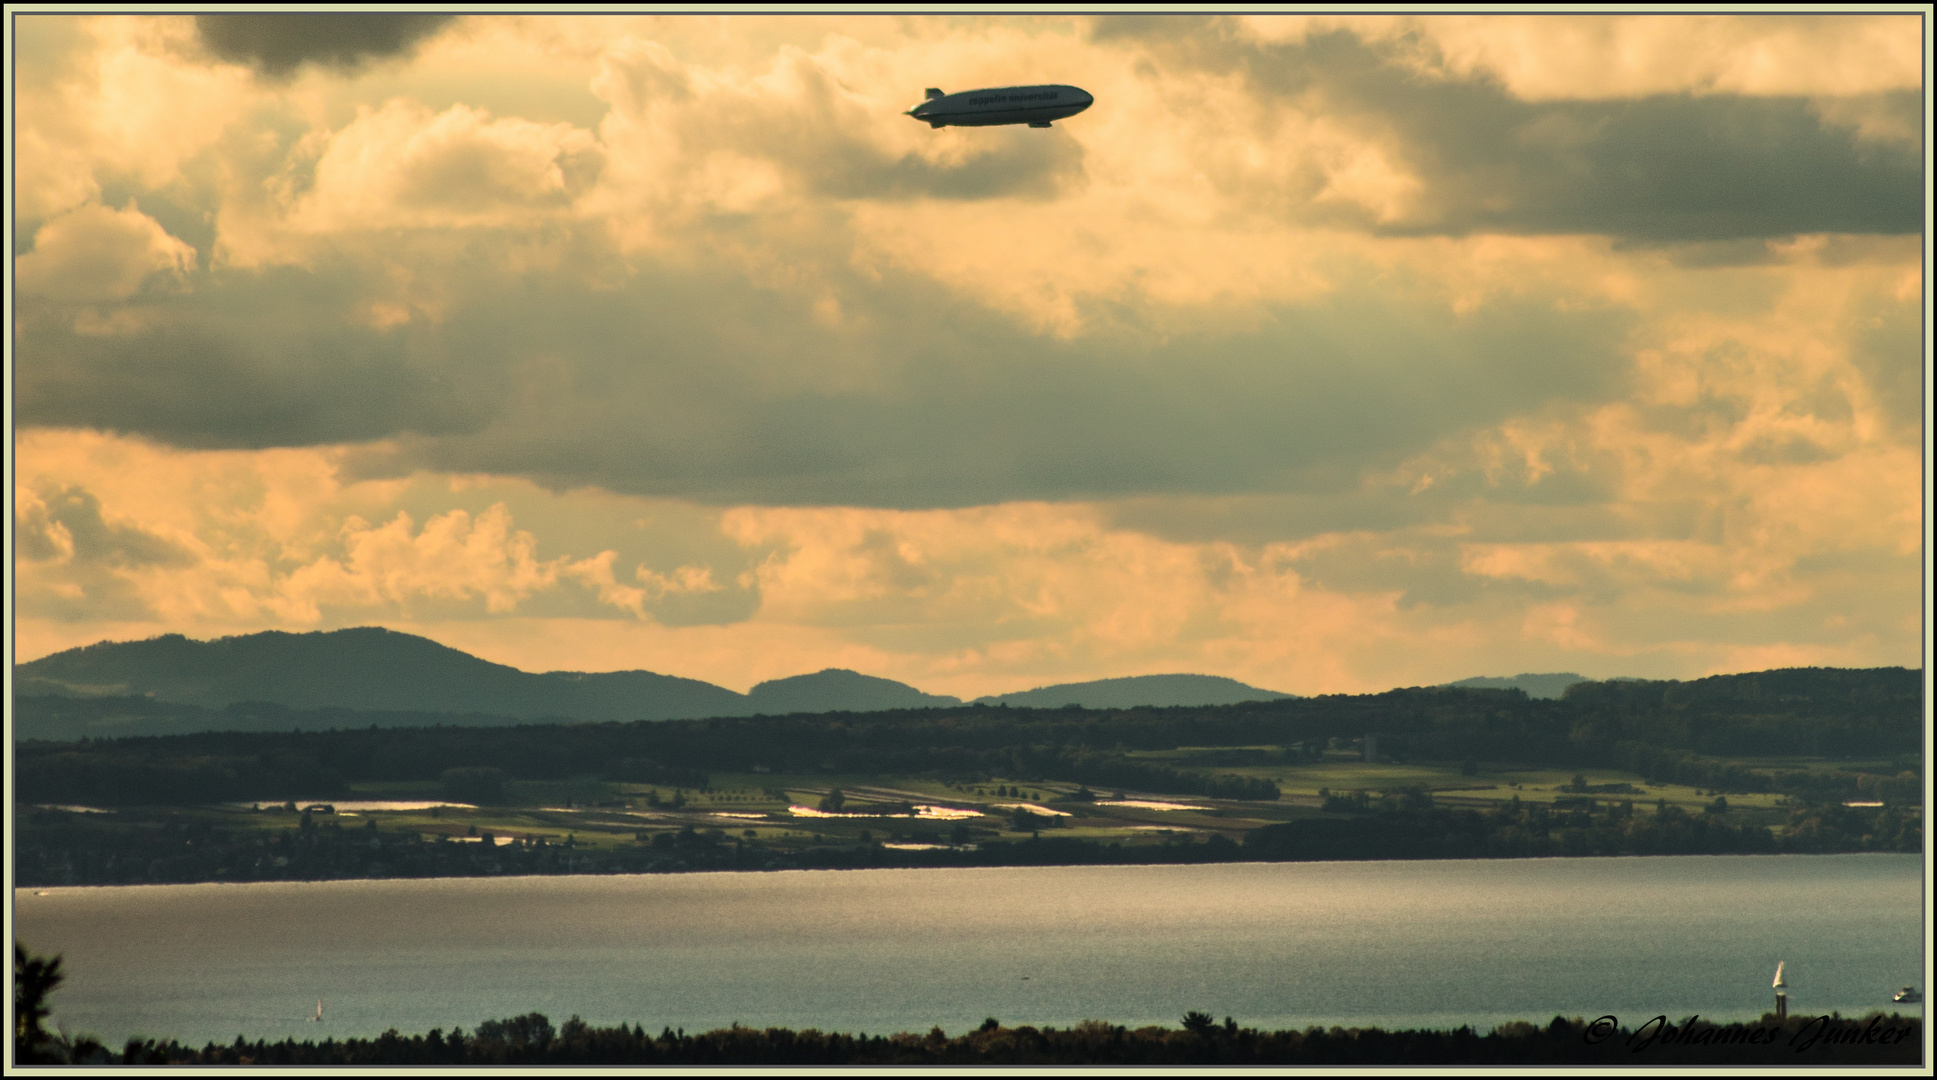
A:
x,y
532,1040
34,980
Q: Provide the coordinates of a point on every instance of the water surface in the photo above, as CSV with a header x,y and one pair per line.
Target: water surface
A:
x,y
1399,944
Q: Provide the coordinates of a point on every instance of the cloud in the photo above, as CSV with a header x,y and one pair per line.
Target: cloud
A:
x,y
1807,557
1318,353
226,372
802,119
1587,56
746,287
94,253
73,565
1626,56
243,540
281,42
700,385
65,526
111,100
403,167
1451,150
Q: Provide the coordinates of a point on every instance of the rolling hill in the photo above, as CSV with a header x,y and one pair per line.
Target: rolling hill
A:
x,y
174,684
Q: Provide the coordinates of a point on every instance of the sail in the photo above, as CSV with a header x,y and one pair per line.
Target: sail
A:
x,y
1779,984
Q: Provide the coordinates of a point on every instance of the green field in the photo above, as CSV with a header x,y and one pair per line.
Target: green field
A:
x,y
756,806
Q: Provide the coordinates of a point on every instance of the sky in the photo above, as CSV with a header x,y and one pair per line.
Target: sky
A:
x,y
1330,354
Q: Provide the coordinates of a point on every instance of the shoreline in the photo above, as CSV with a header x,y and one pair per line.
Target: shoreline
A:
x,y
48,890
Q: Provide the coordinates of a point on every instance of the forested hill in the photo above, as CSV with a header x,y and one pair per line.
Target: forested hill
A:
x,y
835,690
280,682
1157,690
1550,685
168,685
363,668
1656,729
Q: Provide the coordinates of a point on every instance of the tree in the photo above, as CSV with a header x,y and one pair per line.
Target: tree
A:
x,y
532,1031
478,786
832,802
34,978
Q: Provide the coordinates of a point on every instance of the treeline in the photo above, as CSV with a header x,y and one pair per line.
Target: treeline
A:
x,y
532,1040
320,765
1664,730
1658,729
1809,712
1410,826
63,718
1661,766
51,851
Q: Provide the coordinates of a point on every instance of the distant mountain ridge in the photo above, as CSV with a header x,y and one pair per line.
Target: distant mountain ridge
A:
x,y
840,690
1162,691
383,671
366,667
1552,685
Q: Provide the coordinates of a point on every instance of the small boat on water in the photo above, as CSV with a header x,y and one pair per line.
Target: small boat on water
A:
x,y
318,1018
1907,996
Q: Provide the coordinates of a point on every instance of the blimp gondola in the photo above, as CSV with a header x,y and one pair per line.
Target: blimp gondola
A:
x,y
1037,106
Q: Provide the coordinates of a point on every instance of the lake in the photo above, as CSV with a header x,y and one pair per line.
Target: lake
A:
x,y
1275,945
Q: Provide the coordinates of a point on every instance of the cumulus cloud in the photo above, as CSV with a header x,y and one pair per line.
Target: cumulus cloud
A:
x,y
452,557
801,126
402,166
1590,56
111,101
72,564
685,384
1619,56
65,526
746,287
280,42
1459,152
227,539
1324,346
1803,557
95,253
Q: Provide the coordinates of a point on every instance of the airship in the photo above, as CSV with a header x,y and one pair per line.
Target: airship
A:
x,y
1037,106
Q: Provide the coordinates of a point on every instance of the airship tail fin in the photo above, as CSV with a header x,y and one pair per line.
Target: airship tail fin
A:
x,y
933,94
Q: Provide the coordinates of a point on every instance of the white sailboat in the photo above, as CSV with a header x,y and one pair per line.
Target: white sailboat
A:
x,y
318,1018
